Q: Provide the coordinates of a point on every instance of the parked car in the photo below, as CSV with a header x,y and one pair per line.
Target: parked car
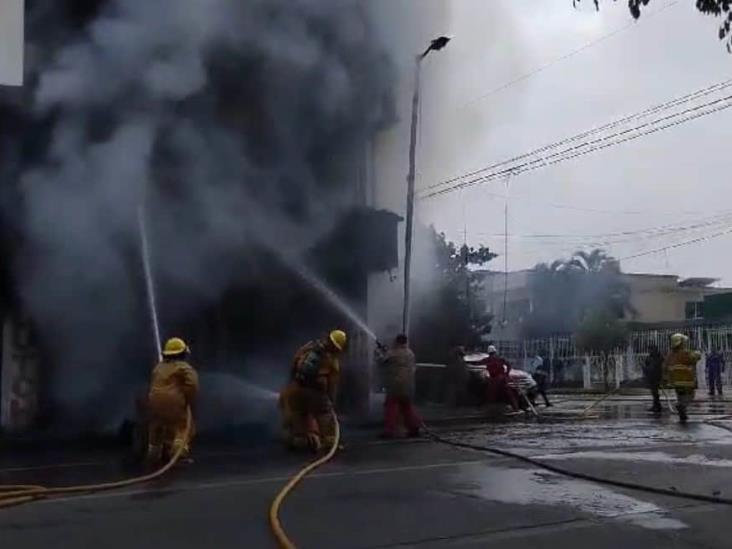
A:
x,y
519,380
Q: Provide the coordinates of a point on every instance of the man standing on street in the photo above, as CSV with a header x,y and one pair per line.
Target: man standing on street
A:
x,y
679,371
540,371
653,372
715,367
400,366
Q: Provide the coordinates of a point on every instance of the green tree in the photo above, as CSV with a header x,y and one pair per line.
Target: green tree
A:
x,y
449,313
716,8
566,292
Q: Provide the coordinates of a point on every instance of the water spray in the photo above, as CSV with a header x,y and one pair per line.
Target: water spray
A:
x,y
340,304
149,285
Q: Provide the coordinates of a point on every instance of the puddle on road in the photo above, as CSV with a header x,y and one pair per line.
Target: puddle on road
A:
x,y
534,486
648,457
556,437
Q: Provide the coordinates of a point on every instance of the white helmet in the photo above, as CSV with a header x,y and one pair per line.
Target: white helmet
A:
x,y
678,340
492,349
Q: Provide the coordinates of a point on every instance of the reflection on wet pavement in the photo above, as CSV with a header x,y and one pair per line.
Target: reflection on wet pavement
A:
x,y
533,486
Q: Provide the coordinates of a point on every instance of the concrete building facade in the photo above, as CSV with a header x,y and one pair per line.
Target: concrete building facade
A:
x,y
655,299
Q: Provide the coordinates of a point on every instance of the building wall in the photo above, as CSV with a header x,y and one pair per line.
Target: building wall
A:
x,y
655,298
659,298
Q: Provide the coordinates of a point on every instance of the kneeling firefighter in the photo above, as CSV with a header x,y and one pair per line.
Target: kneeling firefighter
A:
x,y
173,390
307,401
679,371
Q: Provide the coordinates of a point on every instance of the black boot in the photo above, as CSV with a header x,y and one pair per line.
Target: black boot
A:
x,y
682,415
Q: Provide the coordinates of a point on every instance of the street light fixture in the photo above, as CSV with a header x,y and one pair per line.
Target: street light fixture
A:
x,y
435,45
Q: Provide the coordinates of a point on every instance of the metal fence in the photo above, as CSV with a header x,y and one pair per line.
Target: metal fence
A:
x,y
572,368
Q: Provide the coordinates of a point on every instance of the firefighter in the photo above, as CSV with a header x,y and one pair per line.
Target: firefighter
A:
x,y
498,369
173,391
679,371
400,366
308,399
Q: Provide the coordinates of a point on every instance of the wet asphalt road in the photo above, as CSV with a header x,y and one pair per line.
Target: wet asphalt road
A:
x,y
410,494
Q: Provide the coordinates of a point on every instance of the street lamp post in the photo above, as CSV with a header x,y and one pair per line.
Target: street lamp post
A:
x,y
436,45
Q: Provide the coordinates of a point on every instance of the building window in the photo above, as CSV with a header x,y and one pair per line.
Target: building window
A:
x,y
694,310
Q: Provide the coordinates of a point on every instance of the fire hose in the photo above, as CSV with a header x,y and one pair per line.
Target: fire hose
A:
x,y
283,540
576,475
16,495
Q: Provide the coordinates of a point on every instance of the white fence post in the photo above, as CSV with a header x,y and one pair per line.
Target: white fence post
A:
x,y
586,376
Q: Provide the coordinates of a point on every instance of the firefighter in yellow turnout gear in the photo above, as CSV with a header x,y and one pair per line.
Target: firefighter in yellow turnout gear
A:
x,y
679,373
307,401
173,390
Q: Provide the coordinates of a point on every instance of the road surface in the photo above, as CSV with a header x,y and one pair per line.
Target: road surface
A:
x,y
409,494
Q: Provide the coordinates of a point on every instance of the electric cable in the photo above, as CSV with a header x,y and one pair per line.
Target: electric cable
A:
x,y
688,98
594,145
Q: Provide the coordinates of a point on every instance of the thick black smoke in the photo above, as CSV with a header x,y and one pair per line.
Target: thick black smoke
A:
x,y
239,126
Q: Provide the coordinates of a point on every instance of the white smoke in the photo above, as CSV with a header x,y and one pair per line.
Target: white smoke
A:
x,y
229,120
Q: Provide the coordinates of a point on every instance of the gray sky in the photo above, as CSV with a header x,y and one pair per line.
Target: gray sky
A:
x,y
670,51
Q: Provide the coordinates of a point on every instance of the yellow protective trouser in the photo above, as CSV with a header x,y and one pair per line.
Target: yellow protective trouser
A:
x,y
312,420
684,397
167,428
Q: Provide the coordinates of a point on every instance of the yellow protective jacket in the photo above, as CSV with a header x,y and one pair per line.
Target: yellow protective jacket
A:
x,y
328,371
679,369
173,388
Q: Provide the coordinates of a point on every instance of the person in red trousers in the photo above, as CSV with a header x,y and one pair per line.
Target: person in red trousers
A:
x,y
498,389
399,367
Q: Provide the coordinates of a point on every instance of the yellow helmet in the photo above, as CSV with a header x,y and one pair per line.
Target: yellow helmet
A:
x,y
338,339
678,340
175,346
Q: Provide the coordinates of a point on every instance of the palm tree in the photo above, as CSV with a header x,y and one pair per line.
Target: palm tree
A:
x,y
592,262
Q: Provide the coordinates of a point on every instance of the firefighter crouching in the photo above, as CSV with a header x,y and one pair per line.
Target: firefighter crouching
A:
x,y
307,401
173,390
679,371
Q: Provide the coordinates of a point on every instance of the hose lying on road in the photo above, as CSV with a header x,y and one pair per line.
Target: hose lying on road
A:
x,y
15,495
599,400
579,476
274,510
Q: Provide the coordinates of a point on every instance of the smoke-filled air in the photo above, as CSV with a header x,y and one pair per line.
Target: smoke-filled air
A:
x,y
235,125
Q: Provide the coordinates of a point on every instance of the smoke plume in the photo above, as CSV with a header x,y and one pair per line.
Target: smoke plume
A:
x,y
231,122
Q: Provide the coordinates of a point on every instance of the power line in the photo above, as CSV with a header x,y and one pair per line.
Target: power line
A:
x,y
564,57
697,94
572,207
727,231
576,149
570,248
661,230
562,156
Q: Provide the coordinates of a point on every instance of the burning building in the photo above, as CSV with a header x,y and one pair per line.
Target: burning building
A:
x,y
243,133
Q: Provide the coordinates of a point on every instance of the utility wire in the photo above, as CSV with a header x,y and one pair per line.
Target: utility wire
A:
x,y
639,115
578,150
704,238
566,56
609,244
661,230
597,144
571,207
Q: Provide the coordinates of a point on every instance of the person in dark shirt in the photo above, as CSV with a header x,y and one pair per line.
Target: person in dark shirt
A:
x,y
653,372
715,367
